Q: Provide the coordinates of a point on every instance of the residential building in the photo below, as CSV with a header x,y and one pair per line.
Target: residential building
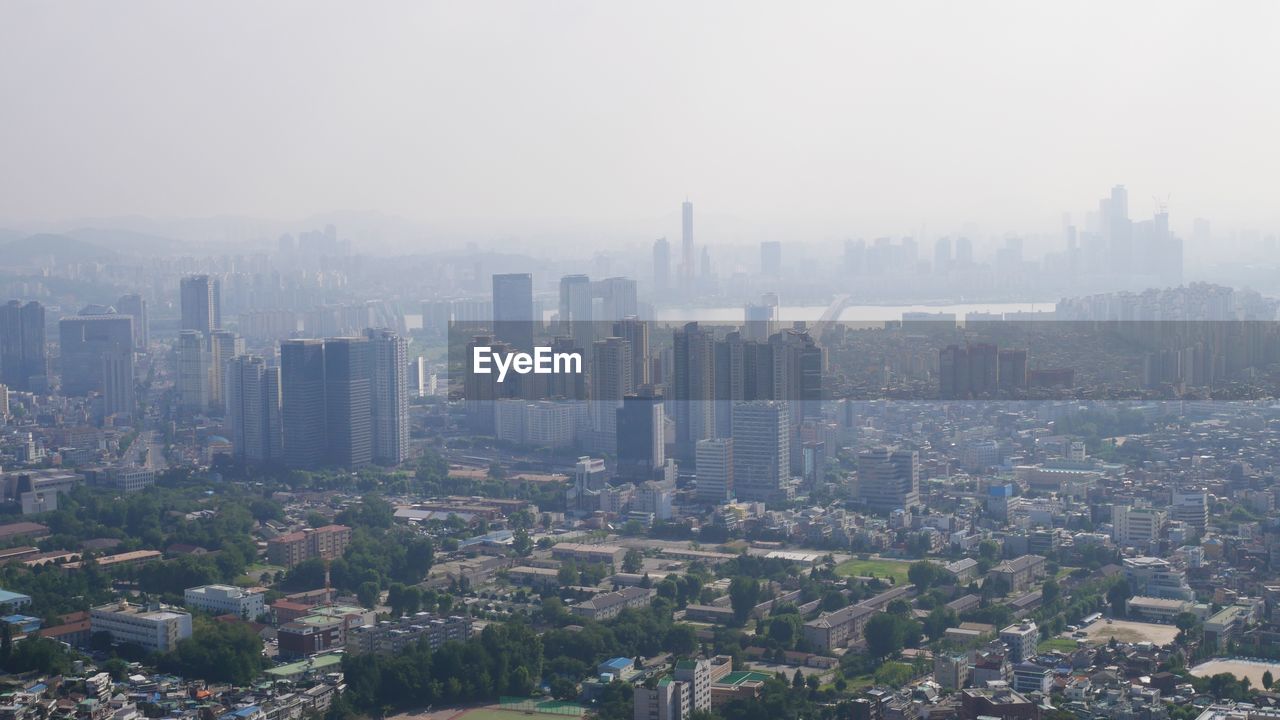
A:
x,y
326,542
1021,639
606,606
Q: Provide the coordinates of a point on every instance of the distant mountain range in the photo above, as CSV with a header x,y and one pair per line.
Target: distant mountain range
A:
x,y
63,248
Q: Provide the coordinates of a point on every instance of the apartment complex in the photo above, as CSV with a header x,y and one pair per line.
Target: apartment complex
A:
x,y
392,636
326,543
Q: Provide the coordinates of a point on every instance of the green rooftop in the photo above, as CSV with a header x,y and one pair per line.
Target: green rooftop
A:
x,y
320,662
741,676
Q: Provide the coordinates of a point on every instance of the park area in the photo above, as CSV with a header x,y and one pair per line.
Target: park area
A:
x,y
1128,631
878,567
1241,668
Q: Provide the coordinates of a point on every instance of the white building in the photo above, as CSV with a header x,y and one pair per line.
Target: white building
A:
x,y
1021,639
1135,526
1157,578
156,628
715,470
226,600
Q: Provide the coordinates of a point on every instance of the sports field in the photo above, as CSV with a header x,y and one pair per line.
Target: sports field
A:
x,y
496,714
1129,631
1240,667
879,567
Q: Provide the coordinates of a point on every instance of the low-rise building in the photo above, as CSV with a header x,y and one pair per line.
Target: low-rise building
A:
x,y
1019,573
325,543
154,628
578,552
392,636
227,600
606,606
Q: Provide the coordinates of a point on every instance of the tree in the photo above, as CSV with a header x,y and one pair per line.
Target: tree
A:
x,y
884,635
1118,595
368,594
668,589
1050,592
744,595
940,618
1267,680
521,543
219,652
633,561
797,680
894,674
924,575
681,639
899,607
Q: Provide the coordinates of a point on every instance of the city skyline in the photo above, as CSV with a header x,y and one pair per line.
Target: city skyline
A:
x,y
845,142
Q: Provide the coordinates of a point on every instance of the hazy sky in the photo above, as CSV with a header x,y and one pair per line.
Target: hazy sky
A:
x,y
792,117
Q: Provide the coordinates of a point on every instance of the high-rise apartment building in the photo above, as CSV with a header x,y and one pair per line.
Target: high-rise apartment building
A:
x,y
661,265
693,387
390,386
194,372
24,363
223,345
253,409
687,260
761,449
302,402
771,258
348,401
513,310
610,381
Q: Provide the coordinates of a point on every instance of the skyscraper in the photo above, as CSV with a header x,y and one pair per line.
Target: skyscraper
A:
x,y
201,299
610,382
390,408
97,356
1012,373
661,266
223,345
348,401
302,402
693,387
575,310
636,332
134,306
194,372
513,310
942,256
253,409
617,297
715,471
687,260
889,479
771,258
575,300
23,361
797,373
641,441
761,449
